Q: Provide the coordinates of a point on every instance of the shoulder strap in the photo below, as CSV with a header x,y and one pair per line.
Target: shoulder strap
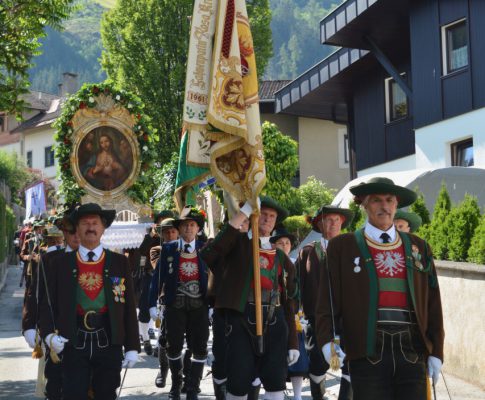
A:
x,y
319,250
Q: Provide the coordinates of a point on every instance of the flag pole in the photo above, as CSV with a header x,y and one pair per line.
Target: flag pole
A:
x,y
257,282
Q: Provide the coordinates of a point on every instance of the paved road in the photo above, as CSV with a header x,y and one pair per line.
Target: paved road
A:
x,y
18,371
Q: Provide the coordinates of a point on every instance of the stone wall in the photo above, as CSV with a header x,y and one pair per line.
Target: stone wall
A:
x,y
462,288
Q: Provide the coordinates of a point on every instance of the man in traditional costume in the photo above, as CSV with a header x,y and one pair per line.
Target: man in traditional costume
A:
x,y
168,234
93,311
235,296
181,281
310,264
151,239
30,253
383,287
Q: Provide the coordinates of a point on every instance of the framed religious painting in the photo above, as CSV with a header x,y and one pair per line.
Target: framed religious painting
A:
x,y
104,148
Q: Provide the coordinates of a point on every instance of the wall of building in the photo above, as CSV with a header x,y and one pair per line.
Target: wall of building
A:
x,y
433,142
288,124
399,165
321,152
462,286
36,142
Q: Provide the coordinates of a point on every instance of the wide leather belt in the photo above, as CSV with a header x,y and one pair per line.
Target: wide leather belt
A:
x,y
265,297
92,321
395,316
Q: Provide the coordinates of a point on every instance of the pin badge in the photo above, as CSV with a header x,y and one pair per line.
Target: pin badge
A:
x,y
357,268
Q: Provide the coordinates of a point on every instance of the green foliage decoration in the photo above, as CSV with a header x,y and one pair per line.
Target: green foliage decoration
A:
x,y
437,234
86,98
476,252
460,224
298,226
15,174
314,194
281,155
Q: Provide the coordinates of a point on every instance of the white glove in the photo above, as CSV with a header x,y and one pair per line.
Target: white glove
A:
x,y
247,208
293,356
211,314
56,342
434,368
131,358
154,314
327,353
29,336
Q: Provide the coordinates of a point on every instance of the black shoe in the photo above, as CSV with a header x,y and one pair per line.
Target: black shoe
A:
x,y
317,390
160,380
147,346
176,371
193,384
220,390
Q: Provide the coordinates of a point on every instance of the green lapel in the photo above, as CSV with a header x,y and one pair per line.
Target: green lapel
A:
x,y
75,288
373,291
108,291
408,253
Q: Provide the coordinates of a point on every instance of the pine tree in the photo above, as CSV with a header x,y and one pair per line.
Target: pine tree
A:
x,y
460,224
359,217
419,207
438,236
476,252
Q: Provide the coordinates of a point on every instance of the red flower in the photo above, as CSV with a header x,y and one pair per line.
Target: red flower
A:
x,y
144,166
138,116
106,91
82,105
65,166
145,137
67,141
95,89
69,123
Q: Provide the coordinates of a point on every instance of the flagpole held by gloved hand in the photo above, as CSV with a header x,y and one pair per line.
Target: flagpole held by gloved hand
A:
x,y
257,282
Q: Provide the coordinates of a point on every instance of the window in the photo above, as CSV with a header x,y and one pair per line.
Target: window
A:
x,y
396,101
462,153
343,148
49,156
454,39
29,159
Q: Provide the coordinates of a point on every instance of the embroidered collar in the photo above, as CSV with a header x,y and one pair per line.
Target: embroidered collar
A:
x,y
83,252
375,234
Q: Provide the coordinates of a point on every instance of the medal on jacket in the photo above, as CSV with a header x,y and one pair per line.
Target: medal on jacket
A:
x,y
417,257
118,288
170,260
357,268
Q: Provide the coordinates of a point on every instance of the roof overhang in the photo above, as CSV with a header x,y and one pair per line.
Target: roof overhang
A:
x,y
386,21
323,91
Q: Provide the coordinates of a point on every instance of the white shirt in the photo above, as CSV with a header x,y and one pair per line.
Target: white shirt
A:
x,y
69,249
375,233
191,248
324,243
53,248
83,252
265,243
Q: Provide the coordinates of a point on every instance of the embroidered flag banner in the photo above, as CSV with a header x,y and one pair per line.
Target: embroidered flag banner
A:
x,y
222,129
236,156
35,200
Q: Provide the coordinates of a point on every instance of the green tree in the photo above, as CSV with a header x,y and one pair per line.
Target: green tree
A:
x,y
314,194
419,207
298,226
359,217
22,23
281,155
260,20
146,45
476,252
164,179
460,224
437,235
14,173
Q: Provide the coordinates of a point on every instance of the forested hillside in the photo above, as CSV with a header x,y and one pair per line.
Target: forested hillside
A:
x,y
296,43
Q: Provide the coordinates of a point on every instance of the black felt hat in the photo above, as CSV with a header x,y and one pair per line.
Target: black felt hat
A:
x,y
281,232
191,213
93,209
324,210
380,185
163,214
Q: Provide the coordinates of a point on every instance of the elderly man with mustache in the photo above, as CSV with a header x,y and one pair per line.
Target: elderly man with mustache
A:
x,y
93,317
382,287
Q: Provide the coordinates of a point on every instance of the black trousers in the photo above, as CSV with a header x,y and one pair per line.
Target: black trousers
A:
x,y
53,376
398,369
187,320
144,313
93,361
219,345
243,364
318,366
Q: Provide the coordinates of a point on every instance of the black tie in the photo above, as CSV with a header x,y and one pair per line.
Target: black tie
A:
x,y
385,238
187,248
91,255
58,247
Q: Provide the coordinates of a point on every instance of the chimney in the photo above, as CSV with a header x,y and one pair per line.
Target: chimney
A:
x,y
69,84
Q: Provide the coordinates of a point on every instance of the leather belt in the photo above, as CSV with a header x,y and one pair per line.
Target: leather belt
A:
x,y
93,320
265,297
395,316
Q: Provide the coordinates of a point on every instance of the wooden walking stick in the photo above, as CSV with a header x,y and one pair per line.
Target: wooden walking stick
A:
x,y
257,282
